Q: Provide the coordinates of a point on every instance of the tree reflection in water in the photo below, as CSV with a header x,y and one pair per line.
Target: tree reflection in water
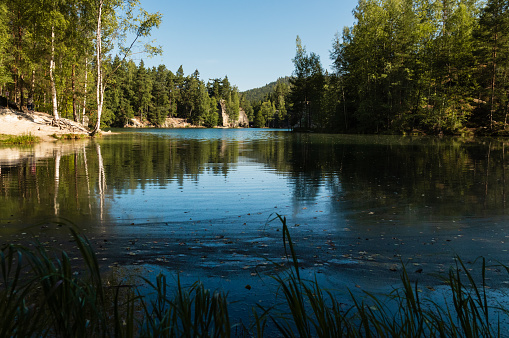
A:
x,y
211,183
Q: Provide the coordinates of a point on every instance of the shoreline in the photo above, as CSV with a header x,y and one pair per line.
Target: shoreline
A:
x,y
41,125
18,123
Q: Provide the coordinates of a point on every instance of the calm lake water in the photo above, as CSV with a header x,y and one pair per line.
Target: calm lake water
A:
x,y
202,202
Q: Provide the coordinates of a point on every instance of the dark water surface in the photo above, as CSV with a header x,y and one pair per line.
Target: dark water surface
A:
x,y
200,202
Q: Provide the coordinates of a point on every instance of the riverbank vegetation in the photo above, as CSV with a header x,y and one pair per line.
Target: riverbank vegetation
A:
x,y
157,93
60,59
43,292
20,139
403,67
56,57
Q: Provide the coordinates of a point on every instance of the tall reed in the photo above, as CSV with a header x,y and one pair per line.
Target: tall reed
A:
x,y
190,312
42,293
312,312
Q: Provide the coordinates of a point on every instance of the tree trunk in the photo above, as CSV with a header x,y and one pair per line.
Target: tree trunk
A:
x,y
21,92
17,65
99,88
493,78
85,93
32,90
52,76
73,86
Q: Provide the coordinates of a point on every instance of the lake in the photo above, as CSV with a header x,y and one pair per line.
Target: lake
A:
x,y
204,204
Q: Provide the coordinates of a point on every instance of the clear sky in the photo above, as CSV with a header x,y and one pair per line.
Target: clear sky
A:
x,y
252,42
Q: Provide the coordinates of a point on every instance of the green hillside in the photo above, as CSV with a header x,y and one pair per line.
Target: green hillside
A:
x,y
260,94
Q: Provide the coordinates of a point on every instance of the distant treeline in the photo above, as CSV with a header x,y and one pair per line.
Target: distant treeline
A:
x,y
267,106
405,65
57,57
157,93
433,66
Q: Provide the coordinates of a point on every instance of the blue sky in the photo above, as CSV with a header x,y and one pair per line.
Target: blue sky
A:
x,y
252,42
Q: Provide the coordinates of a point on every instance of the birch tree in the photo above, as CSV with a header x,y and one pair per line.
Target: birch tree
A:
x,y
110,20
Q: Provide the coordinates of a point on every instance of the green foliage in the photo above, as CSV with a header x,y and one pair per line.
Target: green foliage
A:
x,y
492,36
4,38
74,40
42,294
265,114
46,297
69,136
211,116
307,89
432,66
192,312
313,311
155,94
259,121
20,139
280,99
260,94
277,93
233,104
248,108
57,37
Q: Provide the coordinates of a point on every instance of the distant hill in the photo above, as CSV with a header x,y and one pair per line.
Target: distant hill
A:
x,y
259,94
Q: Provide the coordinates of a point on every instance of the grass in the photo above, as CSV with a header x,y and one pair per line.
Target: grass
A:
x,y
69,136
43,294
19,139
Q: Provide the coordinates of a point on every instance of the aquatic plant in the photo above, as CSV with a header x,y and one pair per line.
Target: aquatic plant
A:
x,y
69,136
41,294
310,311
191,312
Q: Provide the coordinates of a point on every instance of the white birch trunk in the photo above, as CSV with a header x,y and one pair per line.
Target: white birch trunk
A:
x,y
56,205
102,181
99,89
85,93
52,75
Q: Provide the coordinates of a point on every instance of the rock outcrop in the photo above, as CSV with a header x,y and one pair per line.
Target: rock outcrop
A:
x,y
173,122
224,119
170,122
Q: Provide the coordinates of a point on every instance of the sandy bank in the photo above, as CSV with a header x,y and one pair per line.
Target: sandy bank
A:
x,y
36,123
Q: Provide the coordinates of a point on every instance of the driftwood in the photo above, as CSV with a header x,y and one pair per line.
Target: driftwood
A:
x,y
65,124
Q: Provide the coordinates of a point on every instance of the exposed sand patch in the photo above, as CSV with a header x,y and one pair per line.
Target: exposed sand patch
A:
x,y
39,124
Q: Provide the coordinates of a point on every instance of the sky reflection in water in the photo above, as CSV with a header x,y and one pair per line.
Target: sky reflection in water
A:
x,y
201,201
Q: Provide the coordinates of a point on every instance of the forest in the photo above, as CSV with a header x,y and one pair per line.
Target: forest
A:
x,y
404,66
157,93
431,66
73,59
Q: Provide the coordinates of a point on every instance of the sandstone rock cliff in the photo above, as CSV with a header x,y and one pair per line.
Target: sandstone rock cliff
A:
x,y
224,119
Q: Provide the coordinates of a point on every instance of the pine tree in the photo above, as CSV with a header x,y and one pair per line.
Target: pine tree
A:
x,y
160,103
307,86
143,90
493,53
233,104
